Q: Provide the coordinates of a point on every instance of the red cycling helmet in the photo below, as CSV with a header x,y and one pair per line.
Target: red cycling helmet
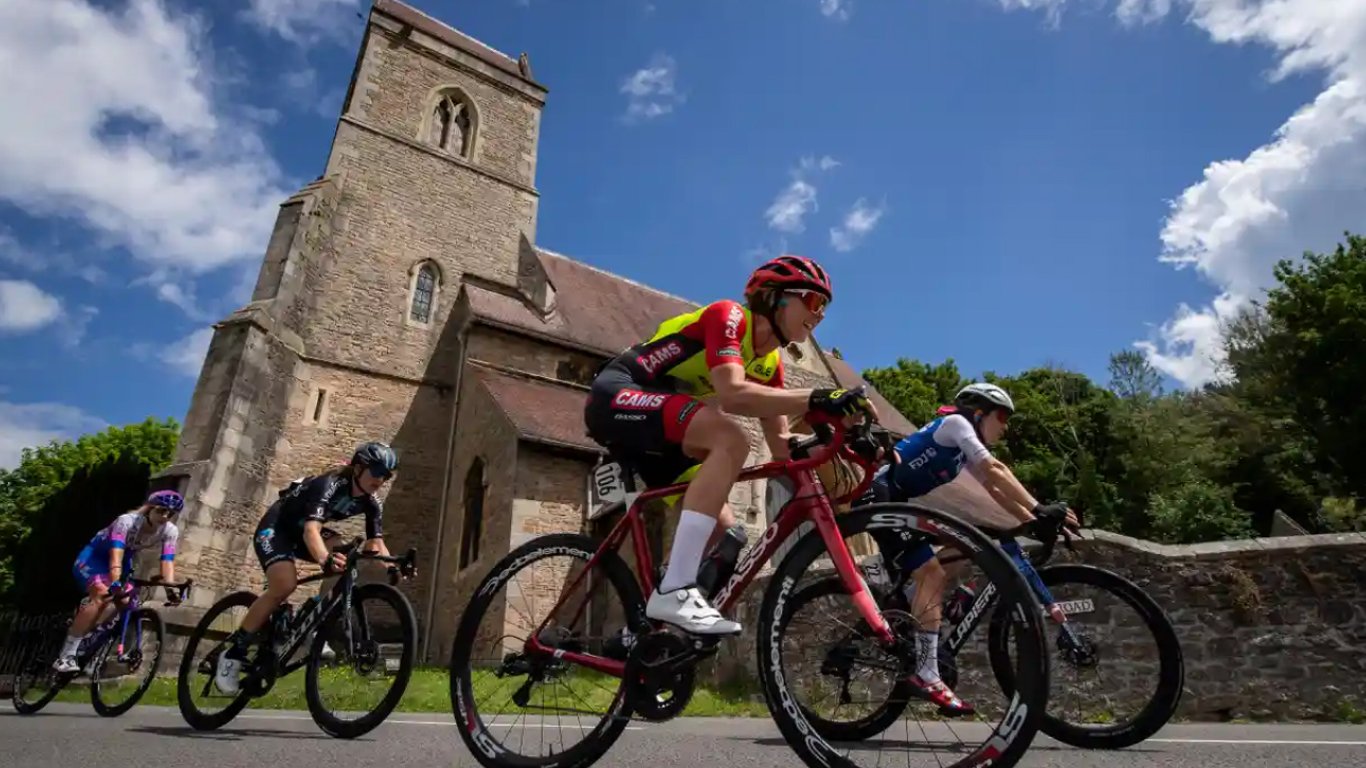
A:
x,y
789,272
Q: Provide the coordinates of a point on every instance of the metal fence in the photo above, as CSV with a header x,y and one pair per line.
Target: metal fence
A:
x,y
23,633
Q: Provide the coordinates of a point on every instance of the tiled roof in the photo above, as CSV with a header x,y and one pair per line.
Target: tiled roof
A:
x,y
538,409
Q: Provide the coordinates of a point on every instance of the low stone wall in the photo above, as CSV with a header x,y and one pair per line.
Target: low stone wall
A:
x,y
1270,628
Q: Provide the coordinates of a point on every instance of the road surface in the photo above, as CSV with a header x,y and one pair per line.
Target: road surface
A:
x,y
72,735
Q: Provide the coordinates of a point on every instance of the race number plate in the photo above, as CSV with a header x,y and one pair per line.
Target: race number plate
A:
x,y
606,487
1073,607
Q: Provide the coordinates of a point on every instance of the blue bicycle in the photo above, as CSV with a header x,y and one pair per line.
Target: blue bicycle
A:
x,y
123,650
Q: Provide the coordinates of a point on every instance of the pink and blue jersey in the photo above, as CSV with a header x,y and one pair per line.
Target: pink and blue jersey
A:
x,y
126,535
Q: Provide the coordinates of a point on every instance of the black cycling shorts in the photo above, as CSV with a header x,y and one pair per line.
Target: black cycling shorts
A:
x,y
644,425
274,545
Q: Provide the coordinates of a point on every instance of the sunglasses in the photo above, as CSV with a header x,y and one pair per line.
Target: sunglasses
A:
x,y
814,302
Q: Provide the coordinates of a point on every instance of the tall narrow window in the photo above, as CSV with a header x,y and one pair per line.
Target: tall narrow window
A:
x,y
473,524
424,288
452,124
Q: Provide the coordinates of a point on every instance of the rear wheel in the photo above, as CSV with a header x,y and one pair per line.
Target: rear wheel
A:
x,y
1007,727
378,643
120,676
202,705
36,683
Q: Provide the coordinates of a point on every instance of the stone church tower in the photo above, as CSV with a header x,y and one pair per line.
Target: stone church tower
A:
x,y
402,298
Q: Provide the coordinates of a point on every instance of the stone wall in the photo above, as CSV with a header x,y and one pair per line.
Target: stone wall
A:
x,y
1269,628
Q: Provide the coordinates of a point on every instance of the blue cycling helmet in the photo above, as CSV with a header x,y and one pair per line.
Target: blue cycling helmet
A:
x,y
168,499
377,457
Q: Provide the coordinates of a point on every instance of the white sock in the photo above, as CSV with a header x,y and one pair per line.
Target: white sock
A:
x,y
73,643
690,540
927,647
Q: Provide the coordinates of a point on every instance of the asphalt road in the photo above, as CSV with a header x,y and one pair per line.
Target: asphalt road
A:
x,y
155,737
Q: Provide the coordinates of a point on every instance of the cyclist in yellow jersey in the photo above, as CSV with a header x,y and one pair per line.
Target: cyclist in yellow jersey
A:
x,y
645,405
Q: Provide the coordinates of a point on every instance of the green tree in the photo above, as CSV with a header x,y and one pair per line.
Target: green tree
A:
x,y
917,389
45,472
1132,377
1303,355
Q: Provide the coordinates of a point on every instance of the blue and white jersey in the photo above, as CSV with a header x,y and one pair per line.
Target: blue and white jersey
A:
x,y
934,455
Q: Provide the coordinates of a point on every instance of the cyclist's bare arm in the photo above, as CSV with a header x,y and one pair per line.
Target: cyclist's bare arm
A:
x,y
1000,482
313,540
742,397
776,433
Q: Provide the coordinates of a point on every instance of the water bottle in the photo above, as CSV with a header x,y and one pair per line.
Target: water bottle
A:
x,y
719,564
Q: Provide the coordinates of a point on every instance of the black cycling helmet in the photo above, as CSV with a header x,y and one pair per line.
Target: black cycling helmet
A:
x,y
377,457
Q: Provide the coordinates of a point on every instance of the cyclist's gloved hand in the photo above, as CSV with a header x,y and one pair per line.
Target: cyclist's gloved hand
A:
x,y
1057,513
839,402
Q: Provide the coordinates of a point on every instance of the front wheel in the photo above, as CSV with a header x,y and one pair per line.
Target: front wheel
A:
x,y
781,645
115,688
379,643
1098,626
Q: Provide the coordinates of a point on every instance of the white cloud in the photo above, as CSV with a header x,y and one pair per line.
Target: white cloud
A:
x,y
837,9
788,210
112,120
26,307
187,354
1298,192
304,21
861,219
652,91
30,425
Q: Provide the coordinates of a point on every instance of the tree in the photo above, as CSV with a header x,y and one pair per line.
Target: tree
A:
x,y
1132,377
47,471
917,389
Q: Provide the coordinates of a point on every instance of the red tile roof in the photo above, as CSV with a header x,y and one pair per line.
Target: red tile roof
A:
x,y
540,411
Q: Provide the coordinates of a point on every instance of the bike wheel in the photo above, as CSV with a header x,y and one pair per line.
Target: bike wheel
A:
x,y
503,656
212,631
861,727
36,683
144,625
1006,740
383,621
1154,713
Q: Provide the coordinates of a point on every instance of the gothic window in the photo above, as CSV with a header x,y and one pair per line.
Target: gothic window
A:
x,y
452,123
423,290
473,523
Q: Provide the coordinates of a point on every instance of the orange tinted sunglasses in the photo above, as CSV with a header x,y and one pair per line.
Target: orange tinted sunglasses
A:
x,y
814,302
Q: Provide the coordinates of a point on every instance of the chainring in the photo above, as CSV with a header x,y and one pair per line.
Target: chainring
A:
x,y
659,676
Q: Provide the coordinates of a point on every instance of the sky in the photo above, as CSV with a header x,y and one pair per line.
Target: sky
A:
x,y
1007,183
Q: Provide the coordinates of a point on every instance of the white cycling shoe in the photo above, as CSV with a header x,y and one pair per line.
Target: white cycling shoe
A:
x,y
686,609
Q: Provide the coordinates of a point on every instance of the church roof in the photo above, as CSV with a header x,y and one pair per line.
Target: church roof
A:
x,y
539,410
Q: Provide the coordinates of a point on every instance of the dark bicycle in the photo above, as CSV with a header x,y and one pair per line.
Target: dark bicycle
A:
x,y
341,629
565,657
115,651
1078,650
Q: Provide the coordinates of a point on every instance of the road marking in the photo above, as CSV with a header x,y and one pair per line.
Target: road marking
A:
x,y
451,723
1287,742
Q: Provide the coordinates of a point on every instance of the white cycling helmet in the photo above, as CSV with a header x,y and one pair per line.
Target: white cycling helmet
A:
x,y
984,396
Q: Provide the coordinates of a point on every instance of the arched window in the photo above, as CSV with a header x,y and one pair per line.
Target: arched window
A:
x,y
452,122
473,524
424,290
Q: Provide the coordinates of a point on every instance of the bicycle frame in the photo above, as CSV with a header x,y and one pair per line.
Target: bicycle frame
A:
x,y
809,503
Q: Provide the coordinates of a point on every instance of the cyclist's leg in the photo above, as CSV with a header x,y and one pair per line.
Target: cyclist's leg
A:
x,y
276,553
666,433
96,585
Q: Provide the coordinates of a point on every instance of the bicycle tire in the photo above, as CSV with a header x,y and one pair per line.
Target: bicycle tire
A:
x,y
1171,671
472,730
350,729
196,719
35,659
96,698
1011,738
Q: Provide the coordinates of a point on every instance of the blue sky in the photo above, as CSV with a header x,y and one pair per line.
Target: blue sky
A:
x,y
1006,182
